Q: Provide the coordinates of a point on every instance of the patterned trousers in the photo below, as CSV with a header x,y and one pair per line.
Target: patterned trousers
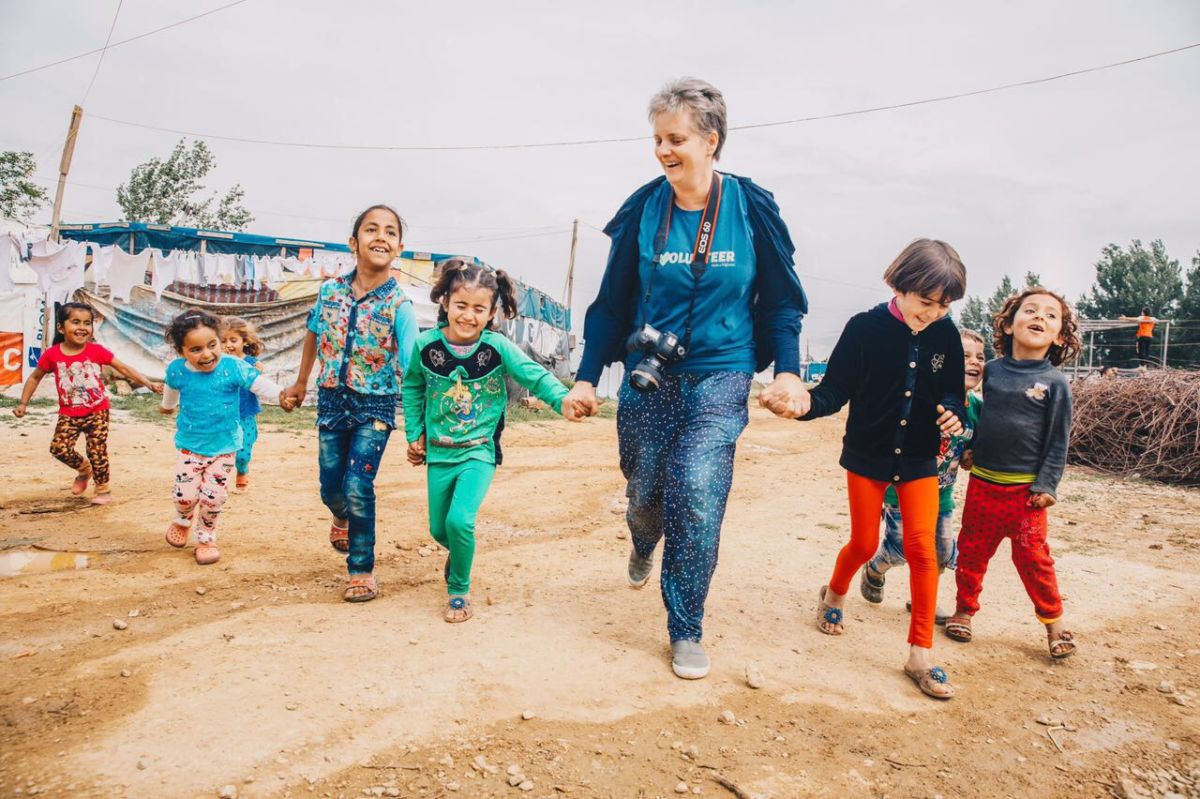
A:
x,y
992,513
201,482
94,427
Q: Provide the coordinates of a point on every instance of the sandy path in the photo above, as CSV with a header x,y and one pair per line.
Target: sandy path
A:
x,y
268,676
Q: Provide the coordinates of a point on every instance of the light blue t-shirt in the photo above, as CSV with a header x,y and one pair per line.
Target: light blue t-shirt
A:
x,y
208,422
722,326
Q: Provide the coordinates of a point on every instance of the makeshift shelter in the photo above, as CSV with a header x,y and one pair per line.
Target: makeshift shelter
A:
x,y
278,307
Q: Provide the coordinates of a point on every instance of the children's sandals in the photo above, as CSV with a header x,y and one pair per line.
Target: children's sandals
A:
x,y
1062,645
207,554
102,498
958,628
458,609
362,588
932,682
339,537
871,587
829,620
177,535
80,483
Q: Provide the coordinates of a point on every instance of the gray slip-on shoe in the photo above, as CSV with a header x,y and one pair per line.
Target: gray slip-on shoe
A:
x,y
689,660
639,568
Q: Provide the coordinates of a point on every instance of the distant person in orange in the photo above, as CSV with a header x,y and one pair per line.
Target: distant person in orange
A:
x,y
1145,334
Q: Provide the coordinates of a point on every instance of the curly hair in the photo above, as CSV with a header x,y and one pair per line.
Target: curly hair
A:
x,y
1069,334
186,322
254,345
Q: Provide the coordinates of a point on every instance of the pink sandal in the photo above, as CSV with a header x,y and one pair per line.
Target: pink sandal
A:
x,y
80,484
103,498
177,535
207,554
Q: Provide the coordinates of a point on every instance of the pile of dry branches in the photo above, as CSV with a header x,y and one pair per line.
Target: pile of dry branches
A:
x,y
1146,425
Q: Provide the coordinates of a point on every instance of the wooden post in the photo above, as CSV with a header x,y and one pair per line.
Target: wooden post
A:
x,y
1166,342
570,288
64,166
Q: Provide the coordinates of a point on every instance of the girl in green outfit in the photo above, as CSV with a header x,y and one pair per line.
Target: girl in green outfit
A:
x,y
454,402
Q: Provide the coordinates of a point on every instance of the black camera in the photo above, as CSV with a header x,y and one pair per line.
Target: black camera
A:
x,y
661,350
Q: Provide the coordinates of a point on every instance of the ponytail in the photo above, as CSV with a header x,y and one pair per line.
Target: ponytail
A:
x,y
458,272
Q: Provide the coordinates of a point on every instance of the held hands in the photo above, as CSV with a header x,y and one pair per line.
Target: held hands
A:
x,y
1039,500
948,421
157,388
292,397
581,400
967,460
786,397
19,411
416,451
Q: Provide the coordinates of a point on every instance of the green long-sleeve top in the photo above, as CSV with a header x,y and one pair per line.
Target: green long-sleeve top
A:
x,y
458,401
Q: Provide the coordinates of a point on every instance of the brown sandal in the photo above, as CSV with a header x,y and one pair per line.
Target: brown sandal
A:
x,y
458,609
362,588
1063,645
339,537
929,679
958,628
829,619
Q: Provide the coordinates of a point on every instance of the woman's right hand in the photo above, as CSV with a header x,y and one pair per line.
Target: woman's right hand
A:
x,y
19,411
583,395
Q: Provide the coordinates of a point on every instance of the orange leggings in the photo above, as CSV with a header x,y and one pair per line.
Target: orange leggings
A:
x,y
919,510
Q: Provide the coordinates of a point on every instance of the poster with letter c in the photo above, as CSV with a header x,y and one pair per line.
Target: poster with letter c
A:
x,y
12,327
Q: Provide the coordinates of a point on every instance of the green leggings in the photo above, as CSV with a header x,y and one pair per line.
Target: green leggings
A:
x,y
456,490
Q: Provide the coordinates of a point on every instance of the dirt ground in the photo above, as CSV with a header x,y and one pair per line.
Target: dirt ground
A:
x,y
254,674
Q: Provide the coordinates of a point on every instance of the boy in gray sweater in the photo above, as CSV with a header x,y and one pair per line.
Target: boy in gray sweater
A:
x,y
1018,455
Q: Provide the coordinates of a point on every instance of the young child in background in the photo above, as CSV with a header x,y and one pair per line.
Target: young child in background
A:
x,y
891,550
241,340
362,328
900,366
76,361
454,405
1018,456
206,387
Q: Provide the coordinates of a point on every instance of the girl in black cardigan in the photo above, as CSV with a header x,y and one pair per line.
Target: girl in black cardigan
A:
x,y
900,366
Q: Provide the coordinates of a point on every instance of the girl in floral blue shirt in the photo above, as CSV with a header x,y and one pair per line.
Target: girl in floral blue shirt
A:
x,y
361,332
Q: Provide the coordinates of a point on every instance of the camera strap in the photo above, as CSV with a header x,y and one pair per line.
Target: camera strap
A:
x,y
701,250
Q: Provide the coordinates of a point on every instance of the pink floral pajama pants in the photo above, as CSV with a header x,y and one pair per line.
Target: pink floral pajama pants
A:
x,y
202,482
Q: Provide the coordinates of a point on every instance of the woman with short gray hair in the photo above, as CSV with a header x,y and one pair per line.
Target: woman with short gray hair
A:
x,y
699,294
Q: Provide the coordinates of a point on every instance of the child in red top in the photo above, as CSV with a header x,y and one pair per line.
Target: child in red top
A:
x,y
76,361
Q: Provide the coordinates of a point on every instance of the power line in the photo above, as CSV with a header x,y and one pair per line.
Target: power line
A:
x,y
626,139
107,46
103,50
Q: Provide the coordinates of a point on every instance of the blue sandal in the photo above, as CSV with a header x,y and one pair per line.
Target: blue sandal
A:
x,y
458,609
929,678
829,620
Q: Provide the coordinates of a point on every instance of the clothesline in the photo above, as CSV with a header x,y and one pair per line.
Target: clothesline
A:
x,y
60,267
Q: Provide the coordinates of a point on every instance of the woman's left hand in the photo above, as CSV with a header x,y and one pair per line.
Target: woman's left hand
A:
x,y
786,397
949,421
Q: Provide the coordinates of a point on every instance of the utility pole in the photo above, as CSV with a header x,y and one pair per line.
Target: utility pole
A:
x,y
570,284
64,166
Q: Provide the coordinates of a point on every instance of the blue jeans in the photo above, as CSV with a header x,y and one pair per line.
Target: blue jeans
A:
x,y
677,446
891,548
249,436
349,460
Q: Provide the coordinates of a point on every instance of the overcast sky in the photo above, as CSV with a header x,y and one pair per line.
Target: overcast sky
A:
x,y
1037,178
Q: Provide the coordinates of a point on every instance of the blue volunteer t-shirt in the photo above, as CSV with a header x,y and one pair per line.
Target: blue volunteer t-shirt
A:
x,y
722,326
248,404
208,422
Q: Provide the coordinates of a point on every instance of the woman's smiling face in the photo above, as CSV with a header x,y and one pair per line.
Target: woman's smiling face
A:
x,y
684,153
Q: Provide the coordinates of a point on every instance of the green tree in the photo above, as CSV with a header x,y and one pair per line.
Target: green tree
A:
x,y
1185,338
977,315
166,192
19,196
1128,280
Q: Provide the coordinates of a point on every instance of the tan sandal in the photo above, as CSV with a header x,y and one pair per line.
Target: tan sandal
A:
x,y
362,588
339,537
177,534
958,628
829,619
929,681
458,610
207,554
1062,645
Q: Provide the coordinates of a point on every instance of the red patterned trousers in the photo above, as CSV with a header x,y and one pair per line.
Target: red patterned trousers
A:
x,y
992,513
